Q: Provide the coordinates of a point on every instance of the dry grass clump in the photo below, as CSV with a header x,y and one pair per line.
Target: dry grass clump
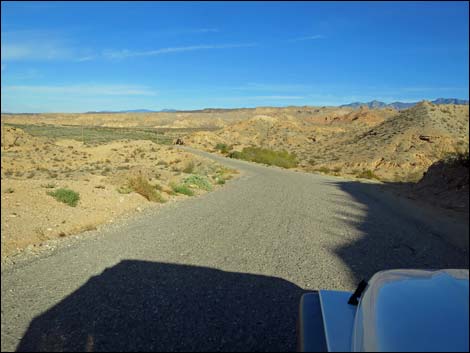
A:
x,y
367,174
140,185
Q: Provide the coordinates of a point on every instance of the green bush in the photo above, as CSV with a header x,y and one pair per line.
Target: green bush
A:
x,y
266,156
67,196
200,181
182,189
141,186
222,147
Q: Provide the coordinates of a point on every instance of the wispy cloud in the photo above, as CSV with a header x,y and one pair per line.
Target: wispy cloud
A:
x,y
85,58
38,46
82,90
24,74
313,37
122,54
43,50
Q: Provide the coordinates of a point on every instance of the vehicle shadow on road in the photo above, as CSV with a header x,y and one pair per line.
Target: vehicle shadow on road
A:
x,y
396,234
151,306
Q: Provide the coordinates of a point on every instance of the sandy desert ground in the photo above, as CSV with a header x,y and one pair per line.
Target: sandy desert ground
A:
x,y
101,174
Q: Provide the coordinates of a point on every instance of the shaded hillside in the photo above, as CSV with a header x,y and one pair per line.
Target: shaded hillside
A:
x,y
403,147
446,183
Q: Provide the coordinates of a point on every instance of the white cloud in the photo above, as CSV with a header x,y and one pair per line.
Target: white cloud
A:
x,y
25,74
85,58
316,36
82,90
45,45
121,54
34,45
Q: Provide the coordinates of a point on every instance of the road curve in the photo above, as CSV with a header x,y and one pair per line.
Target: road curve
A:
x,y
221,272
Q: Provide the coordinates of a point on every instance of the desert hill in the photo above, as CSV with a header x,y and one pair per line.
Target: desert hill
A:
x,y
393,145
403,147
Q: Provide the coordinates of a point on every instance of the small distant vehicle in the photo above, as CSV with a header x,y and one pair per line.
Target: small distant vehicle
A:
x,y
397,310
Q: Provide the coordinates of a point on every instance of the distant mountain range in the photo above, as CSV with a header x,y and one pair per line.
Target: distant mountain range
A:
x,y
400,105
133,111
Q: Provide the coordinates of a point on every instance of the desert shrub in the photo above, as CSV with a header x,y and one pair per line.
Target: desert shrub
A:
x,y
200,182
106,170
9,191
266,156
222,175
124,189
182,189
189,168
367,174
67,196
141,186
324,170
222,147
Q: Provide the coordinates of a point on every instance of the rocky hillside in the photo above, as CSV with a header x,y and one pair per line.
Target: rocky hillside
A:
x,y
446,184
403,147
384,143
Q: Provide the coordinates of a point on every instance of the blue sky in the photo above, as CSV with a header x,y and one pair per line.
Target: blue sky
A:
x,y
82,56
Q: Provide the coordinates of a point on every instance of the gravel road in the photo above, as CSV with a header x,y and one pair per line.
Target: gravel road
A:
x,y
224,271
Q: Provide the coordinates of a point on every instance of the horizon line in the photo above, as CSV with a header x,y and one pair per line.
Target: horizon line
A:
x,y
162,110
